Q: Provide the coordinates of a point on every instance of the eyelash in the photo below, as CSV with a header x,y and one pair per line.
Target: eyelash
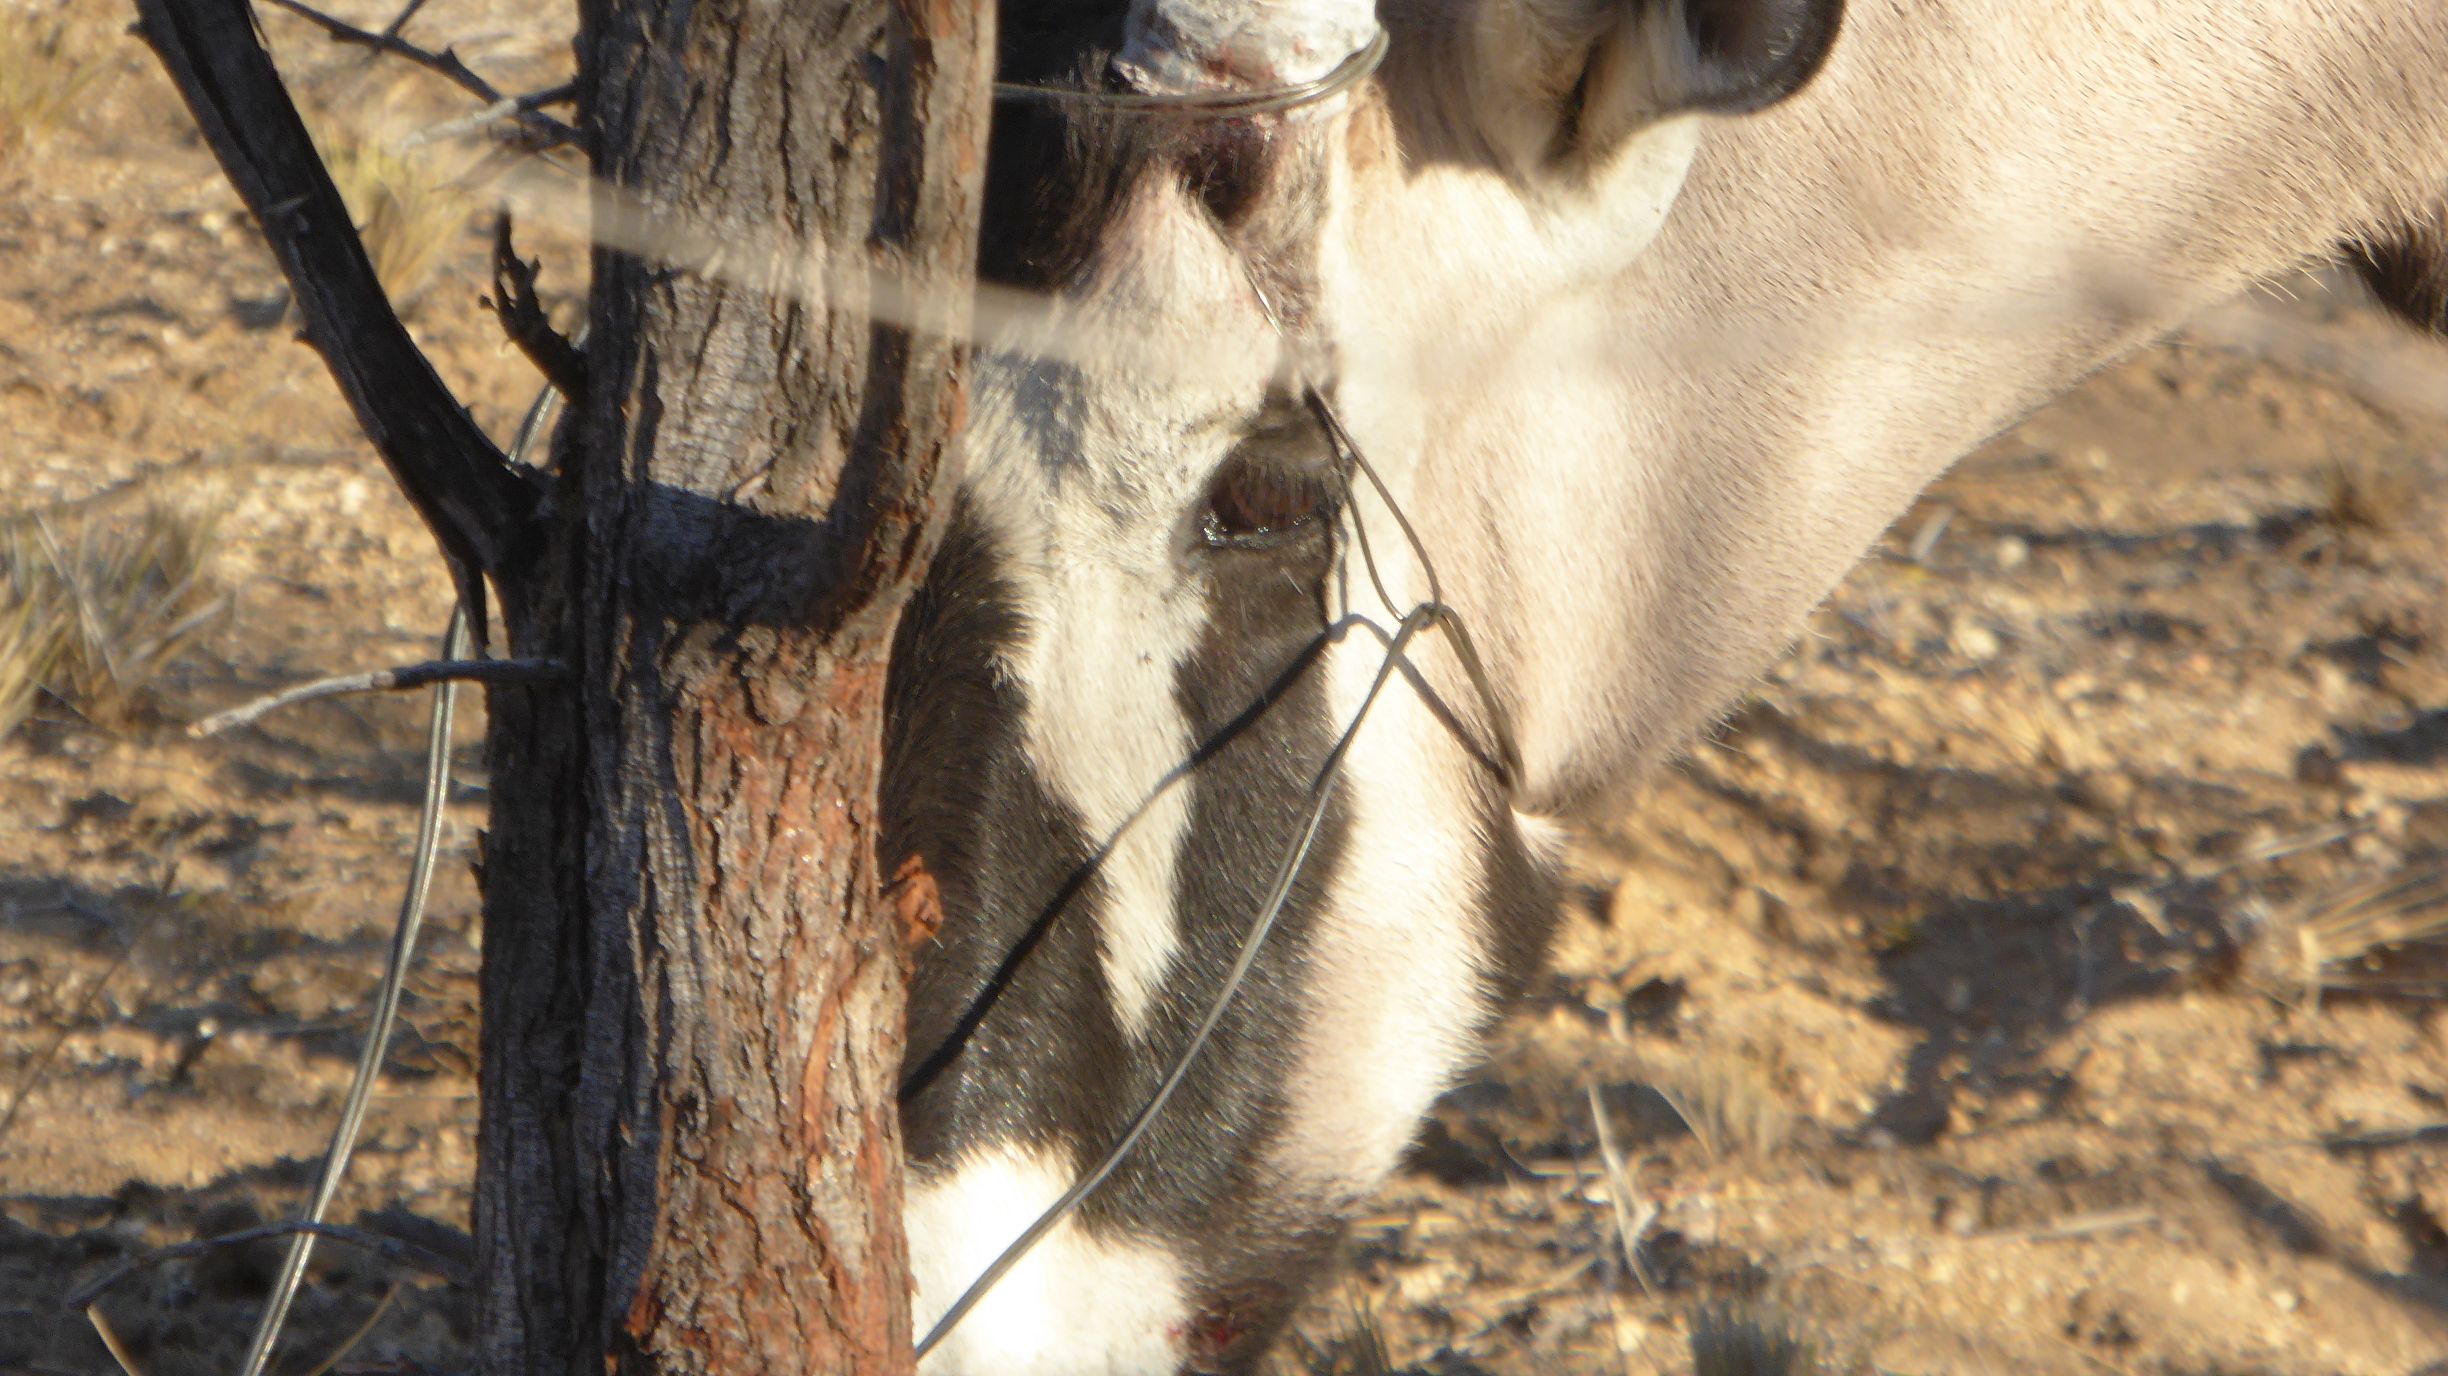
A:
x,y
1252,507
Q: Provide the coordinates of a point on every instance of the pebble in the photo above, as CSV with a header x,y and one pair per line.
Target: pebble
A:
x,y
1974,641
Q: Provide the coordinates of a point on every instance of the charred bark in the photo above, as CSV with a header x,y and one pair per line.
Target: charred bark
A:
x,y
689,1153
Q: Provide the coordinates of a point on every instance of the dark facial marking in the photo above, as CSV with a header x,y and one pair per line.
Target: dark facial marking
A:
x,y
1012,1037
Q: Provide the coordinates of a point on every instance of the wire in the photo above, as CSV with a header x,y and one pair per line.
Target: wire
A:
x,y
1321,791
1505,758
1267,100
403,948
386,1000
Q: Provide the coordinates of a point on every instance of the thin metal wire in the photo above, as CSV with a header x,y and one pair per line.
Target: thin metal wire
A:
x,y
386,1001
1321,791
1434,613
1267,100
403,949
1505,758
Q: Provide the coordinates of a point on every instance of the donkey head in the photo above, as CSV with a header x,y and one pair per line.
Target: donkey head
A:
x,y
1170,590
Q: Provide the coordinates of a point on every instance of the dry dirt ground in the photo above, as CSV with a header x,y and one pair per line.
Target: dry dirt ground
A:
x,y
1950,1007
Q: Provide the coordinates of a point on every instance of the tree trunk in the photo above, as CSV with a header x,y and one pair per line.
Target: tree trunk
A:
x,y
689,1151
690,1154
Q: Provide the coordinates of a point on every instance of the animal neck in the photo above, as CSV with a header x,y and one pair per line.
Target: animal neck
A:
x,y
1641,488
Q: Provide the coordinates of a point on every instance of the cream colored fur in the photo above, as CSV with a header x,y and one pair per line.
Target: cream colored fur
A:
x,y
1641,472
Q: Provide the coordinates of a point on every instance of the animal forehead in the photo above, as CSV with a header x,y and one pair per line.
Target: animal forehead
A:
x,y
1118,399
1164,261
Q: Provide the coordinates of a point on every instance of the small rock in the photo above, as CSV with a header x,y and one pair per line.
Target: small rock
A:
x,y
1973,641
2317,766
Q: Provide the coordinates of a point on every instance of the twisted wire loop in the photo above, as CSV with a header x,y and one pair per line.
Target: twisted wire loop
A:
x,y
1221,104
1500,758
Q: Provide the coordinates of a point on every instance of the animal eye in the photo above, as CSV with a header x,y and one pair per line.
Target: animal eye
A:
x,y
1258,506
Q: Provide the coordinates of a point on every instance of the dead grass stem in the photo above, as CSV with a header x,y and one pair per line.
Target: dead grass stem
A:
x,y
1745,1341
92,613
410,209
1726,1101
2342,940
1361,1351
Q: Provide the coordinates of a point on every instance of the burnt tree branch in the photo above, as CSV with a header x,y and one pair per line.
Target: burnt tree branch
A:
x,y
478,506
523,318
446,64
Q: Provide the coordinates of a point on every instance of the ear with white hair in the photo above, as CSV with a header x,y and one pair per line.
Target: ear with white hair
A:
x,y
1561,85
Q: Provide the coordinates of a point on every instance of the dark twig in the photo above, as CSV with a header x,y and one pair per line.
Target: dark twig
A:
x,y
523,319
42,1062
445,64
349,1343
400,21
478,506
385,681
397,1251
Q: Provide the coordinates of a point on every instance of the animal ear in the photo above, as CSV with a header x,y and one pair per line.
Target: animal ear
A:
x,y
1572,80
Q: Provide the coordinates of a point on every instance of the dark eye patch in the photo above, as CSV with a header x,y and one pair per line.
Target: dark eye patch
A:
x,y
1277,484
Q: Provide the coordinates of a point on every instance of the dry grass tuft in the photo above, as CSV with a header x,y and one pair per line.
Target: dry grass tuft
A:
x,y
92,613
1746,1342
2343,940
2366,495
1727,1101
30,642
44,70
409,210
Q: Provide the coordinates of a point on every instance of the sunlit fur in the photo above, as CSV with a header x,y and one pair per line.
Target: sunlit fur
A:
x,y
1641,445
1077,1305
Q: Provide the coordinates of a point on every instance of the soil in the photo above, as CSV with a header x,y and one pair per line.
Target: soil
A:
x,y
1948,1008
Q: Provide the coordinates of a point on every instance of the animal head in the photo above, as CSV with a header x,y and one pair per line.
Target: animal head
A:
x,y
1204,547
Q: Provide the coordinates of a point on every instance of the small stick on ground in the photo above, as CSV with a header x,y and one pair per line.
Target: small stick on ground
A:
x,y
42,1062
385,681
2068,1229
